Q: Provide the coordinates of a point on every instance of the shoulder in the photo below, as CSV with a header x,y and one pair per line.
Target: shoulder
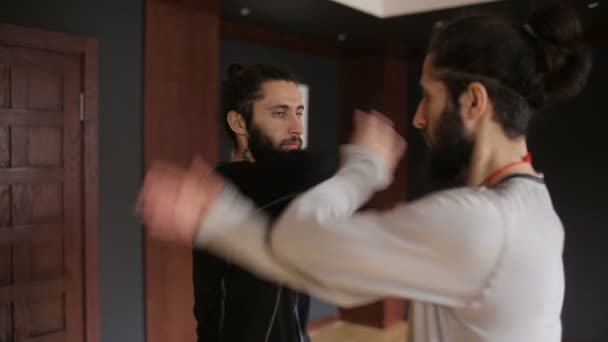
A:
x,y
304,169
469,222
231,169
461,216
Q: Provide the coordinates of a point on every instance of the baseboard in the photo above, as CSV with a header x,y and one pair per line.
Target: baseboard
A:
x,y
382,314
321,322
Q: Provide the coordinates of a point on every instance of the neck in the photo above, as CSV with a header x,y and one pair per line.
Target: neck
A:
x,y
242,154
491,155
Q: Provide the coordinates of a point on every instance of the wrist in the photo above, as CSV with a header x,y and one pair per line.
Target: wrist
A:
x,y
373,167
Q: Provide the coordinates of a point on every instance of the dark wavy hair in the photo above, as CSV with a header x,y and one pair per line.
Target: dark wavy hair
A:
x,y
244,86
524,66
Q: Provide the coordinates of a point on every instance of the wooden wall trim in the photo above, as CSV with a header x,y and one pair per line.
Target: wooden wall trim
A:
x,y
376,79
181,103
42,39
211,6
91,190
88,49
253,34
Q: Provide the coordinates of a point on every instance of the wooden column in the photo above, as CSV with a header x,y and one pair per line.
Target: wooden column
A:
x,y
180,120
376,79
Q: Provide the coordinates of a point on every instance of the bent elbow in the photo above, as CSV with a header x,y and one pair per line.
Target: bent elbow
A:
x,y
287,243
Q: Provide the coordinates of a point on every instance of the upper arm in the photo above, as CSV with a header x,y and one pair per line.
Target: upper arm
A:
x,y
235,229
442,249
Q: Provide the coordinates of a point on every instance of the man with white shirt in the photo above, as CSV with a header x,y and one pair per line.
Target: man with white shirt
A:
x,y
481,261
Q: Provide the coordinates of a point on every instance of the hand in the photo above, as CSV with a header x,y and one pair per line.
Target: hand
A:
x,y
173,201
376,132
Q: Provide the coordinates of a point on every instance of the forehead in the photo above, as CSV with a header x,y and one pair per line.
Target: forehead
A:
x,y
429,74
281,91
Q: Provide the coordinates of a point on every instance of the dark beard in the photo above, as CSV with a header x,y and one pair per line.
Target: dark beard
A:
x,y
262,148
450,156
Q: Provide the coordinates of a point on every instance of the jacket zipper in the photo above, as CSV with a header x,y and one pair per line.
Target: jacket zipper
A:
x,y
274,314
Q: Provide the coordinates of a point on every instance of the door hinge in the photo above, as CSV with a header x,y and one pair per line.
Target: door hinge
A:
x,y
81,106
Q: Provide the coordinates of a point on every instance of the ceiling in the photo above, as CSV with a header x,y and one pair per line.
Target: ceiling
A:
x,y
394,8
335,23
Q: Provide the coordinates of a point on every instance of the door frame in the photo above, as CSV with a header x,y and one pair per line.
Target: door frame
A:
x,y
88,50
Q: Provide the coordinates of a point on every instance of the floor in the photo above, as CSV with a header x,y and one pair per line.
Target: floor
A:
x,y
346,332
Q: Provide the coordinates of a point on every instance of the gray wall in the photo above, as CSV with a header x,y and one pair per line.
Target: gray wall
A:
x,y
118,25
570,148
568,145
321,76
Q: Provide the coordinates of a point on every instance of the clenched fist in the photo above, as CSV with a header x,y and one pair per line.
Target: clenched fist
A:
x,y
376,132
173,200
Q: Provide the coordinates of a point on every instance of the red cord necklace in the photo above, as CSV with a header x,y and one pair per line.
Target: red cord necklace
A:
x,y
526,159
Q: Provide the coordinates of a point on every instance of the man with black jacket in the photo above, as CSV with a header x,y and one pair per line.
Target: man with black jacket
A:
x,y
263,110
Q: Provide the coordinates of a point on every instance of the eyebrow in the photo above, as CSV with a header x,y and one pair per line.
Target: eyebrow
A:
x,y
284,106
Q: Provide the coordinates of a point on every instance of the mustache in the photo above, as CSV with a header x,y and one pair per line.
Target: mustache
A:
x,y
294,140
426,136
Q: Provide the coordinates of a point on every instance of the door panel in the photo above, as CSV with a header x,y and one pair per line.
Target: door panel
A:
x,y
6,323
41,201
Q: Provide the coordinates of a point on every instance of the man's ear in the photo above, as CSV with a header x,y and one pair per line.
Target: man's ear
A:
x,y
236,123
475,101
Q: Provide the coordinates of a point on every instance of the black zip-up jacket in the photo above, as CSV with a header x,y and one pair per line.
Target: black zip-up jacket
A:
x,y
234,305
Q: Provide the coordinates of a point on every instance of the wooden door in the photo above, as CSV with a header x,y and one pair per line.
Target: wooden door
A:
x,y
41,199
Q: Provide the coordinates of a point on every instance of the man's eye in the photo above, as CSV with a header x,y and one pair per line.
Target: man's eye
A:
x,y
299,114
279,113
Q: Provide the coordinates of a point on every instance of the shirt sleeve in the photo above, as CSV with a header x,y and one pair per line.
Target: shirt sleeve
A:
x,y
441,249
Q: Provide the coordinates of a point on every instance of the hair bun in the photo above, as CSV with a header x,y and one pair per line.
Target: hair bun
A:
x,y
235,69
564,59
557,25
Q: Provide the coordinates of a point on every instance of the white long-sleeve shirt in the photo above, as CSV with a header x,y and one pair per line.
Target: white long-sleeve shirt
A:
x,y
479,264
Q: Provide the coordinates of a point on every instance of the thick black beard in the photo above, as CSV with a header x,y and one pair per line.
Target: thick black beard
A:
x,y
449,158
262,148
